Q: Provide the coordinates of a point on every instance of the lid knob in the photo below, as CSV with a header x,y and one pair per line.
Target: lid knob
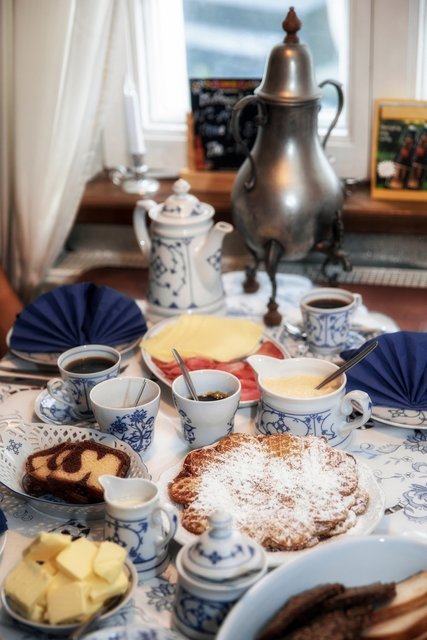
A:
x,y
291,24
222,552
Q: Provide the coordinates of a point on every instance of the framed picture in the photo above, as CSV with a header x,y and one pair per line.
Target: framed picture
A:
x,y
212,141
399,150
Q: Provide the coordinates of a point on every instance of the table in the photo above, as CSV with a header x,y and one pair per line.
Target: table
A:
x,y
397,457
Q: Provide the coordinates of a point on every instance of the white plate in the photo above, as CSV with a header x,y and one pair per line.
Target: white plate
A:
x,y
364,525
350,561
158,373
51,357
133,632
18,440
404,418
52,411
62,629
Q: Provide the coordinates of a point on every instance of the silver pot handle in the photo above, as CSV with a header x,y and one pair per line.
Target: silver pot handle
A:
x,y
338,87
261,119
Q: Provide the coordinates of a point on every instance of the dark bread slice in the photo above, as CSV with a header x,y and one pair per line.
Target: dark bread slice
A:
x,y
71,471
341,624
373,594
301,606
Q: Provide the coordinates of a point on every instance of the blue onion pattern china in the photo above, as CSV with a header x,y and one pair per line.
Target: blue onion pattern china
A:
x,y
328,331
134,428
213,572
183,248
138,521
189,430
202,616
130,534
51,410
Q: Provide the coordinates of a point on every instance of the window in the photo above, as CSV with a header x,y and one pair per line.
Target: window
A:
x,y
374,47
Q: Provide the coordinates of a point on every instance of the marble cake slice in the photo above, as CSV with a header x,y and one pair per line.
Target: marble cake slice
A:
x,y
71,471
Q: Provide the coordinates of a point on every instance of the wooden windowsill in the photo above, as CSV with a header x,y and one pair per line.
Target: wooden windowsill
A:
x,y
106,203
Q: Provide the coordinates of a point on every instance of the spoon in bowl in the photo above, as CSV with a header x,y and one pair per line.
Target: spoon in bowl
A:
x,y
350,363
186,374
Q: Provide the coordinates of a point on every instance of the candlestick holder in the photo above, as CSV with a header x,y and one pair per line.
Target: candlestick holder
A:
x,y
135,179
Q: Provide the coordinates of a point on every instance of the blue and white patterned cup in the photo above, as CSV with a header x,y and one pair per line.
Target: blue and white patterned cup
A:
x,y
329,415
137,520
326,314
206,421
82,368
121,409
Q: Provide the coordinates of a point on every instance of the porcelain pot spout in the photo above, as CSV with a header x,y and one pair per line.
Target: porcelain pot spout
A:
x,y
209,258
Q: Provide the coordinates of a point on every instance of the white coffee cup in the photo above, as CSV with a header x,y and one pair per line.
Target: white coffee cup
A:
x,y
82,368
326,314
329,415
120,409
205,422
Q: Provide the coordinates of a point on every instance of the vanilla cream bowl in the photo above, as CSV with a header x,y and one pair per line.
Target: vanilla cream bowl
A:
x,y
290,403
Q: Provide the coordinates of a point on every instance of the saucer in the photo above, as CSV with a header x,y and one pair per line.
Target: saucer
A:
x,y
53,411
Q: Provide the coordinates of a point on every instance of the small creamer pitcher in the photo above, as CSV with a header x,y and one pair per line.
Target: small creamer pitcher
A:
x,y
135,519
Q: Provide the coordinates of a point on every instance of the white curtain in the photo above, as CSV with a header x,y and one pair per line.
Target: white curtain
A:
x,y
59,53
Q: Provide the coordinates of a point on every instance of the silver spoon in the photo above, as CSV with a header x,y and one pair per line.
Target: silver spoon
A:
x,y
141,391
186,374
350,363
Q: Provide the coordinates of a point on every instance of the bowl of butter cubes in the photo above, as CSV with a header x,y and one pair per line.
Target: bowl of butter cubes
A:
x,y
60,582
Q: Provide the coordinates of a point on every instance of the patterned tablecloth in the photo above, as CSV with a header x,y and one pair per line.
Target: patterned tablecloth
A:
x,y
397,457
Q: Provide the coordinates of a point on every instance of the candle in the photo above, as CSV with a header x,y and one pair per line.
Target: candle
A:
x,y
133,119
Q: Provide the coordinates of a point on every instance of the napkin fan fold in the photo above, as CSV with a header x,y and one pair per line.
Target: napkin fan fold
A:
x,y
77,314
395,373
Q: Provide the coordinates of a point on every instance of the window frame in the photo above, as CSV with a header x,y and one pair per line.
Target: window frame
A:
x,y
158,48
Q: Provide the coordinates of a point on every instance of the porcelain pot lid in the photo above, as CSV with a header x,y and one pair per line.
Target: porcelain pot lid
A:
x,y
223,553
289,72
182,207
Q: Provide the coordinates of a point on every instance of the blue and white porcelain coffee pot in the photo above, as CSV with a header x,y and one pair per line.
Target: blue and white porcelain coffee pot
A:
x,y
183,249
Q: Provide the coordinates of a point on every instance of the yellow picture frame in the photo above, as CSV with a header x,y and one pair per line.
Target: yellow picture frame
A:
x,y
399,150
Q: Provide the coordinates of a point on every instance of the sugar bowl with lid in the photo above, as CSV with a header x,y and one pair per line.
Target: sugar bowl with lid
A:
x,y
213,573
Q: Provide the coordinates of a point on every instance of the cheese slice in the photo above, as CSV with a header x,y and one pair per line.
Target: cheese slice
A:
x,y
214,337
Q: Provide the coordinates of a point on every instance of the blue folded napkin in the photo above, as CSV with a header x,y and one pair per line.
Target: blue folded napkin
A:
x,y
77,314
395,373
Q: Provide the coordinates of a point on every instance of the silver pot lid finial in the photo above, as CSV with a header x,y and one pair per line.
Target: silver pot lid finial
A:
x,y
289,73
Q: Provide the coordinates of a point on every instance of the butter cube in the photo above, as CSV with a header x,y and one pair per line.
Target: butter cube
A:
x,y
67,602
46,546
100,589
108,562
27,584
58,580
50,567
37,613
76,559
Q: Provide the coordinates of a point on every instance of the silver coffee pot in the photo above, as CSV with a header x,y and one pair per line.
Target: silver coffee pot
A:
x,y
287,199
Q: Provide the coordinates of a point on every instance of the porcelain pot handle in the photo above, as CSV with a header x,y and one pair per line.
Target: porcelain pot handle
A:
x,y
261,119
166,510
355,400
338,87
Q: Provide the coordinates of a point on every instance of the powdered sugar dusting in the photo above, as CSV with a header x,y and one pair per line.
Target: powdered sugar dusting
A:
x,y
285,499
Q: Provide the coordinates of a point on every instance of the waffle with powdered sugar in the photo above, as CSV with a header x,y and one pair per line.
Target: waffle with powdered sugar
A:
x,y
285,491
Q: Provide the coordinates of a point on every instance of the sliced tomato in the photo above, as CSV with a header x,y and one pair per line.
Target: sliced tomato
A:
x,y
268,348
194,363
